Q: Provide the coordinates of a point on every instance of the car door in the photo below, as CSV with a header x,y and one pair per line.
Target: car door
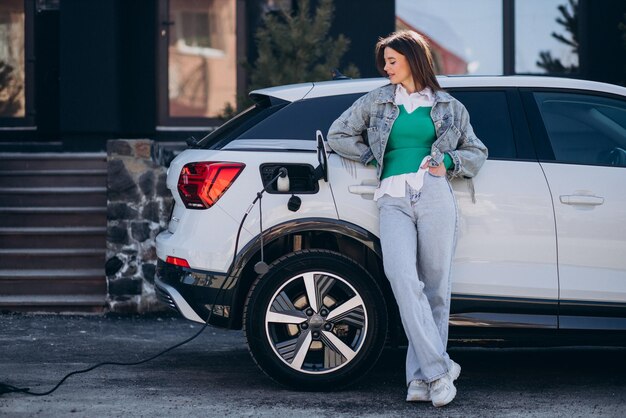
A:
x,y
504,271
582,141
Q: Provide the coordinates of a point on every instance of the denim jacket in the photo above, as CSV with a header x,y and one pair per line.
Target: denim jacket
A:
x,y
362,131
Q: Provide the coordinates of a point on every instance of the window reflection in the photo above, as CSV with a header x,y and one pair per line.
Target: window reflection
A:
x,y
546,36
12,72
277,5
202,65
585,129
466,36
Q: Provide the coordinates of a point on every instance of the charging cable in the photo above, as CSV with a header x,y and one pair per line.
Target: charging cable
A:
x,y
282,173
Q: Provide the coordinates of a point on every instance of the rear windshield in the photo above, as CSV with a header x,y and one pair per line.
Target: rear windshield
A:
x,y
241,123
282,120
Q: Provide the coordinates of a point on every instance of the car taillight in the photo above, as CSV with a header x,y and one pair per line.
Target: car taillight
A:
x,y
201,184
180,262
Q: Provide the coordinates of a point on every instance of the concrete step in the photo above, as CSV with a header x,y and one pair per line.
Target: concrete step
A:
x,y
53,161
53,237
52,303
53,216
53,231
52,282
76,290
41,259
53,196
28,146
53,178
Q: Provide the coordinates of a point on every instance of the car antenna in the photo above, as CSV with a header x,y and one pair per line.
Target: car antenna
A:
x,y
337,75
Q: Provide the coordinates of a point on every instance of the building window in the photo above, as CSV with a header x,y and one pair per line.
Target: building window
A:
x,y
546,37
201,60
12,59
466,36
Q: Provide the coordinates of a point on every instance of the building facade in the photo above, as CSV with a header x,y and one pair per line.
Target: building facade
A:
x,y
83,71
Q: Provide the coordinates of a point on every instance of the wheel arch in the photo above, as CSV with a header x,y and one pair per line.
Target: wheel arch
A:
x,y
310,233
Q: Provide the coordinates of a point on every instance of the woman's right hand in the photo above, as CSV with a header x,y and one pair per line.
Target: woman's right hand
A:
x,y
438,170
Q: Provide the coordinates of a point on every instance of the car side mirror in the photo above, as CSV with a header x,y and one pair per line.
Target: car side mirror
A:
x,y
321,171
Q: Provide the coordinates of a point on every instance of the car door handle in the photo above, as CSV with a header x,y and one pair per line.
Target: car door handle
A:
x,y
361,189
577,199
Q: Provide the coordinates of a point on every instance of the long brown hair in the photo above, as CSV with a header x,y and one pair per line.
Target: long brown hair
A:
x,y
417,52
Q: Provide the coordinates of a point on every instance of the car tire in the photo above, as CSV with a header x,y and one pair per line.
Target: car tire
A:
x,y
317,320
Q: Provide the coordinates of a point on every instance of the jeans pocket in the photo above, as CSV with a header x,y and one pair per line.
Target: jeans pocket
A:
x,y
381,200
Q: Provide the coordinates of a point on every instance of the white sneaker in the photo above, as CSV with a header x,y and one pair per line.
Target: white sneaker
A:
x,y
418,391
442,391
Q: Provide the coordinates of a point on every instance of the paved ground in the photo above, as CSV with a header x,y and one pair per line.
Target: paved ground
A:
x,y
214,376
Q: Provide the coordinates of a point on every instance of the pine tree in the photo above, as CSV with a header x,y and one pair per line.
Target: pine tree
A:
x,y
569,21
297,48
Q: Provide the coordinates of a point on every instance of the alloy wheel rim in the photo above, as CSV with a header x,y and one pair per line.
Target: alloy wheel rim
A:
x,y
316,322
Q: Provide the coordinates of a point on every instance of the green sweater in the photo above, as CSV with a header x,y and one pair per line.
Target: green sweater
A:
x,y
410,140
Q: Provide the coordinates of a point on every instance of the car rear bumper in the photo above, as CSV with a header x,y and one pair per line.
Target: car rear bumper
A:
x,y
193,293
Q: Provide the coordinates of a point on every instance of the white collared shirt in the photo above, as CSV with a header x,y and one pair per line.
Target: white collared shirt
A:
x,y
395,186
413,100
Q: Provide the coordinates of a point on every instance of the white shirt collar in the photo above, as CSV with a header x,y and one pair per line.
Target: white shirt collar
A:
x,y
412,101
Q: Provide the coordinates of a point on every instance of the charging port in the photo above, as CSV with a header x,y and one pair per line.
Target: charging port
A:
x,y
300,178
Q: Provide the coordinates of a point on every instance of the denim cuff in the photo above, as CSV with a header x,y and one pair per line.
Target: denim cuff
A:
x,y
436,156
457,163
367,156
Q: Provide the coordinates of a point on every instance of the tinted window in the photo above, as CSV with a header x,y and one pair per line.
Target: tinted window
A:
x,y
300,120
584,129
490,118
244,121
488,111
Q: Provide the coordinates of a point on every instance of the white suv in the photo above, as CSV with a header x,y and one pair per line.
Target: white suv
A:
x,y
541,255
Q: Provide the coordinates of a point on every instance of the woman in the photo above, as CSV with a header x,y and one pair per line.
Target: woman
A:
x,y
418,136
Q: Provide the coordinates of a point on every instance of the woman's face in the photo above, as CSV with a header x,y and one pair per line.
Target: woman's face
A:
x,y
398,70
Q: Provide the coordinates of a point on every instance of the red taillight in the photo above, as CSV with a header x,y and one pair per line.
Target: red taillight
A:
x,y
201,184
180,262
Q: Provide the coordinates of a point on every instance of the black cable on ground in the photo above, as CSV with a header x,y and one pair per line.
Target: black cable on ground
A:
x,y
7,388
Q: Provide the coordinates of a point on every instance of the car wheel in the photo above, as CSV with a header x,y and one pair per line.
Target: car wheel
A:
x,y
317,320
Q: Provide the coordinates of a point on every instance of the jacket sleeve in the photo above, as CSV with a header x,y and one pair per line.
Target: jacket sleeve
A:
x,y
345,135
470,153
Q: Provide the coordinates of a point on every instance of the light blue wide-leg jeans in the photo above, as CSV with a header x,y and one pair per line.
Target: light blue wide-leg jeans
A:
x,y
418,238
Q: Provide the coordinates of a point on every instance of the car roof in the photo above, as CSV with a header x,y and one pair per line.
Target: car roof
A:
x,y
311,90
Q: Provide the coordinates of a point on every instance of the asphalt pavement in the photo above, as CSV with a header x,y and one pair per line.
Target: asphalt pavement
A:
x,y
214,375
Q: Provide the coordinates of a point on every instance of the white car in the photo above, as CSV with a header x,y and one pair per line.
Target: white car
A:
x,y
541,254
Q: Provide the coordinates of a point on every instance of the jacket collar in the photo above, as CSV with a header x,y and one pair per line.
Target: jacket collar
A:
x,y
442,96
387,93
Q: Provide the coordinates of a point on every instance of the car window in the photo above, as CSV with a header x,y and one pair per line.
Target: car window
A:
x,y
265,107
490,118
300,119
584,129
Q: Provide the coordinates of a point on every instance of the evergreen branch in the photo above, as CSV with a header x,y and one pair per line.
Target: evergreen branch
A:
x,y
297,47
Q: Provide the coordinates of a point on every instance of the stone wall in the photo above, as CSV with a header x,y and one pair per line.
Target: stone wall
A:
x,y
138,208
